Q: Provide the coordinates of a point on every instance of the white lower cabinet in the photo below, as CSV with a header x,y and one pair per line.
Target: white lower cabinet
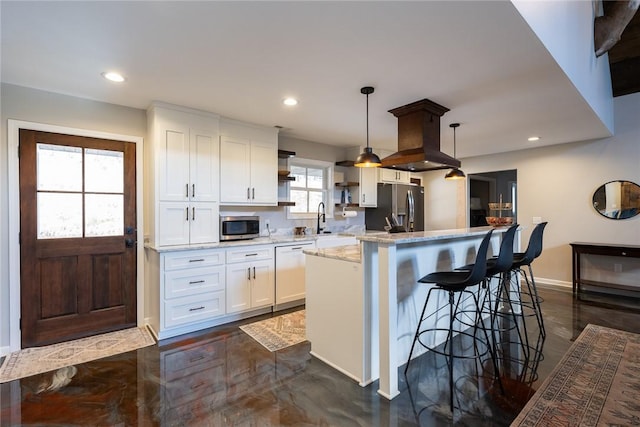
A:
x,y
250,278
290,282
186,290
193,308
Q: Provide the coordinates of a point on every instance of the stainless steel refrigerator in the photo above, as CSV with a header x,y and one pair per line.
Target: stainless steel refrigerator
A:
x,y
404,201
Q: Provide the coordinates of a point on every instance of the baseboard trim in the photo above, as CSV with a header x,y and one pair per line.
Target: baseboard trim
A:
x,y
361,381
558,285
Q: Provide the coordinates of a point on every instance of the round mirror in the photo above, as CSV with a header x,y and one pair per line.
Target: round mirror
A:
x,y
617,199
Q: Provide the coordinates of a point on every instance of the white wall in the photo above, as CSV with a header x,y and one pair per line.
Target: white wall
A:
x,y
566,30
557,184
32,105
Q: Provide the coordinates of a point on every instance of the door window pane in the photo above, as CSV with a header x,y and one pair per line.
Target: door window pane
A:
x,y
59,168
79,196
59,215
104,215
103,171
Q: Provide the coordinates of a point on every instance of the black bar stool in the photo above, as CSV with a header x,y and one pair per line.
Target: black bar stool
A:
x,y
456,283
525,259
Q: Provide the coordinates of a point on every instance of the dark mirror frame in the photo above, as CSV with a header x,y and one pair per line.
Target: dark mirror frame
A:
x,y
626,203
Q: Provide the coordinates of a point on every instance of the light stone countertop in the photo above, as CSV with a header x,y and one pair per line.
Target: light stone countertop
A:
x,y
273,240
425,236
235,243
350,253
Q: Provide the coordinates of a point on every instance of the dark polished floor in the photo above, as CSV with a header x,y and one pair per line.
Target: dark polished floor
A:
x,y
222,377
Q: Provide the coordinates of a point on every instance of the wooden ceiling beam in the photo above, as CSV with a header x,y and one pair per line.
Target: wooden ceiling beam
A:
x,y
608,28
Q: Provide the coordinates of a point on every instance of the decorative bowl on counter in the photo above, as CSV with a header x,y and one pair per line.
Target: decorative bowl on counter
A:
x,y
497,221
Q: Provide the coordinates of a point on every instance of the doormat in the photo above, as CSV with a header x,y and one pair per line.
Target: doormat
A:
x,y
278,332
597,382
36,360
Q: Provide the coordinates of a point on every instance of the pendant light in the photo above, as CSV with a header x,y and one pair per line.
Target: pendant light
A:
x,y
367,159
454,173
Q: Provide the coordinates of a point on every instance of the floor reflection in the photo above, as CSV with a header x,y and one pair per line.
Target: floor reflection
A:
x,y
222,377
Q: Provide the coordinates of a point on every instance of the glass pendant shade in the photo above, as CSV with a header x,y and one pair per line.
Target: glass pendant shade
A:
x,y
368,159
455,174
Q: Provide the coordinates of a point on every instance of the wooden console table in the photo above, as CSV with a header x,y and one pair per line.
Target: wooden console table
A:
x,y
581,248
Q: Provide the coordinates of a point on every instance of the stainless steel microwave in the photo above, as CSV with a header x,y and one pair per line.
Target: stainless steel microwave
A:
x,y
239,227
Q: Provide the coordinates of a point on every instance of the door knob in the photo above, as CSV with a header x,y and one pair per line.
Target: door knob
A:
x,y
129,243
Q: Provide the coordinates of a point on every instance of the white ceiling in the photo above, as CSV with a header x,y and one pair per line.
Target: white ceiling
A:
x,y
240,59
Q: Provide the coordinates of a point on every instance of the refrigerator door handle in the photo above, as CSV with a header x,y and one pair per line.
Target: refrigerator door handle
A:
x,y
411,213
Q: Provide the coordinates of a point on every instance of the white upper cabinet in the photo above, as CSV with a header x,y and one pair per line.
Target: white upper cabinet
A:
x,y
391,175
204,166
248,164
189,164
182,177
235,171
394,176
367,178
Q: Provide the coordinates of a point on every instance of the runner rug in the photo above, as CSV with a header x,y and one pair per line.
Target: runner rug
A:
x,y
35,360
278,332
597,382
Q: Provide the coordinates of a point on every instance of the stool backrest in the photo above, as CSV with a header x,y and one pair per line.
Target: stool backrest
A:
x,y
477,273
505,256
534,249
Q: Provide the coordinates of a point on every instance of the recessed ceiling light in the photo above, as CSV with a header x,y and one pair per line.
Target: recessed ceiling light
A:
x,y
290,102
113,76
533,138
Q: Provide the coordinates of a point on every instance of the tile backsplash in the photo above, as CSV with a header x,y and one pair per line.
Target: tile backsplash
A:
x,y
280,224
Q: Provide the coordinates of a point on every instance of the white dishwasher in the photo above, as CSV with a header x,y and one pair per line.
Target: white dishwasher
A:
x,y
290,282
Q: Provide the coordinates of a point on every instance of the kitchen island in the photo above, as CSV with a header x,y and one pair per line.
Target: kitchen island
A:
x,y
363,307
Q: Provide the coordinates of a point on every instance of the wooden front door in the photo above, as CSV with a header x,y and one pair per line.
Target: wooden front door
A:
x,y
77,236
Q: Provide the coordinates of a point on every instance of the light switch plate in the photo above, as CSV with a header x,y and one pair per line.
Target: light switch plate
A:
x,y
537,219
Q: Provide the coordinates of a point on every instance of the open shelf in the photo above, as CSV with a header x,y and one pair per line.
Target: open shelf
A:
x,y
283,154
347,184
348,163
286,203
347,205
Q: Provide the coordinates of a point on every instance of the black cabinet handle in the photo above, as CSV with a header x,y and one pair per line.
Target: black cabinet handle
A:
x,y
197,308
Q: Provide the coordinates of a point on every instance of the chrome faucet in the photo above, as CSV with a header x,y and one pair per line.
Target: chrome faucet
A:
x,y
320,215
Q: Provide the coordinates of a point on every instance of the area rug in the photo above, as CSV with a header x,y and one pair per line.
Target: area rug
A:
x,y
278,332
596,383
35,360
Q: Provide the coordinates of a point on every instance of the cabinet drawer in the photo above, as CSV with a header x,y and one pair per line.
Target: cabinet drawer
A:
x,y
249,254
182,283
194,308
190,259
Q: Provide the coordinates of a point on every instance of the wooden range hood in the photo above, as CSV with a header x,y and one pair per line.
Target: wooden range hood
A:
x,y
419,139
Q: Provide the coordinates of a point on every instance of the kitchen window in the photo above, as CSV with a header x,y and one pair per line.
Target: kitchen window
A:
x,y
310,187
